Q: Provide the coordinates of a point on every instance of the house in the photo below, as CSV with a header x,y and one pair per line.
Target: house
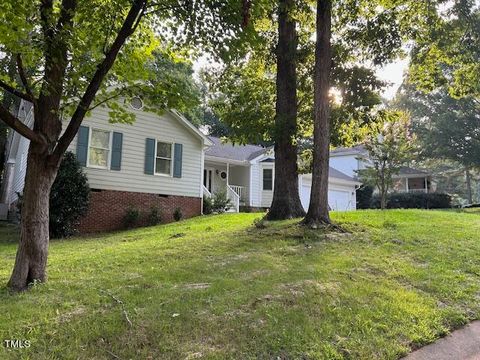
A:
x,y
164,162
350,160
156,162
247,173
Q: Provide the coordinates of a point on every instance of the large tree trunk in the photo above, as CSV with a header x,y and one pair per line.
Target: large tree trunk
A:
x,y
31,259
318,211
286,200
468,180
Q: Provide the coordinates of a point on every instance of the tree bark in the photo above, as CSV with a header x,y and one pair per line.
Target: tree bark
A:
x,y
468,180
286,200
31,259
318,210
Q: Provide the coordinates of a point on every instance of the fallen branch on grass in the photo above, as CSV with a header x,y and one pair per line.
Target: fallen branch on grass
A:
x,y
122,304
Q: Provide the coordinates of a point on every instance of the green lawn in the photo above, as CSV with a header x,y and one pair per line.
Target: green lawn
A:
x,y
218,287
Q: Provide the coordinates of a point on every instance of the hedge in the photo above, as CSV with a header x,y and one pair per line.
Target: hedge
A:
x,y
414,201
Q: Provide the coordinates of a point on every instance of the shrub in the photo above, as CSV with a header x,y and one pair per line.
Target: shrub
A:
x,y
154,217
414,201
131,217
220,202
364,196
68,198
207,205
177,214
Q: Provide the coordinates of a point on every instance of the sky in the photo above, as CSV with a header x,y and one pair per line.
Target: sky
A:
x,y
393,74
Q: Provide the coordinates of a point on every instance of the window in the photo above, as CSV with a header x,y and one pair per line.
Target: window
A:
x,y
267,179
99,148
163,159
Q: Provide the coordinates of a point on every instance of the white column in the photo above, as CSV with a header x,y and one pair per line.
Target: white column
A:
x,y
228,173
406,185
426,185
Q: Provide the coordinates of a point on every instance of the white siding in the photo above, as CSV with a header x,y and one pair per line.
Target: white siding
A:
x,y
346,164
19,153
20,168
255,186
131,177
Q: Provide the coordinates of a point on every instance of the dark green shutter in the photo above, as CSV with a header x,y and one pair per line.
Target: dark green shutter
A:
x,y
149,156
177,160
117,141
82,145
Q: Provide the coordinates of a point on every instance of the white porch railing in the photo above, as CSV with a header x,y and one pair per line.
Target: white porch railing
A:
x,y
206,193
234,198
413,191
240,190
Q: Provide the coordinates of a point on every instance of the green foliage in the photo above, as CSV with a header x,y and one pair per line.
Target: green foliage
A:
x,y
155,56
414,201
220,202
69,197
243,92
447,55
364,196
154,217
243,97
131,218
389,147
444,126
178,214
207,205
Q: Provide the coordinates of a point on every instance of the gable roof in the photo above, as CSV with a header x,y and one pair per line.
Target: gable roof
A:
x,y
354,150
405,170
226,150
183,120
334,173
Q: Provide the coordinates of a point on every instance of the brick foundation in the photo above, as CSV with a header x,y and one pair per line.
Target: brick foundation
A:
x,y
107,209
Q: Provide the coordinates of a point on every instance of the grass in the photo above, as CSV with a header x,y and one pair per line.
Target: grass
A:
x,y
218,287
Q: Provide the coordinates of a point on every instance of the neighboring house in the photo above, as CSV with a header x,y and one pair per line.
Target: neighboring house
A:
x,y
350,160
246,173
156,162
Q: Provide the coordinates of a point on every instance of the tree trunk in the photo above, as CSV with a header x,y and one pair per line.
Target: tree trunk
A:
x,y
286,200
468,180
318,211
383,200
31,259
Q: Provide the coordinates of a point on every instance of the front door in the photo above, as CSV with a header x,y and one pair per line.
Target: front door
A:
x,y
207,179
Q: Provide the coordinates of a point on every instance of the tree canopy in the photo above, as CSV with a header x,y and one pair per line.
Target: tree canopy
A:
x,y
448,52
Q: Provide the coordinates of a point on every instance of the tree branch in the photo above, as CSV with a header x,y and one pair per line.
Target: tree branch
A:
x,y
105,100
131,21
19,126
23,77
14,91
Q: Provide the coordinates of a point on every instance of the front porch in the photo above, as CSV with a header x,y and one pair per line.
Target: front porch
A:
x,y
422,184
233,179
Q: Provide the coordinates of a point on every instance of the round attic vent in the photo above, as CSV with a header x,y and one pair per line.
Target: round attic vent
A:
x,y
136,103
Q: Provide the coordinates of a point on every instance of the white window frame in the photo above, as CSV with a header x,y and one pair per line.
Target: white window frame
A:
x,y
90,132
172,155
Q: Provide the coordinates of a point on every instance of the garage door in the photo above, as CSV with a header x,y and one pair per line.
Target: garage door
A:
x,y
337,199
305,198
